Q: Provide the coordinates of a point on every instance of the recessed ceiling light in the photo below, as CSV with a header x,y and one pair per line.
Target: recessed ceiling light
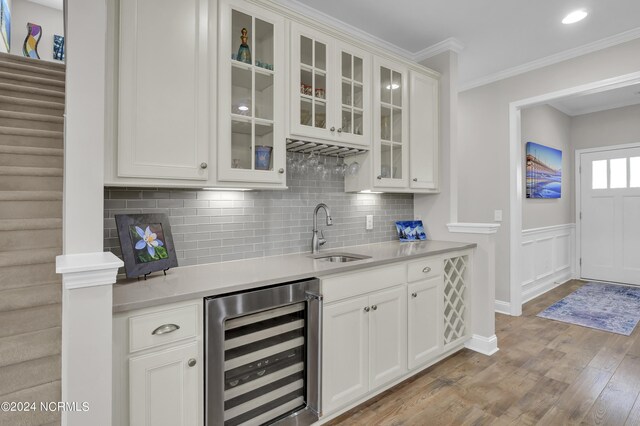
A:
x,y
575,16
243,108
393,86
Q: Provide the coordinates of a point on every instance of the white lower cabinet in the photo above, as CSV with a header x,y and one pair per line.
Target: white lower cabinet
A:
x,y
424,327
164,387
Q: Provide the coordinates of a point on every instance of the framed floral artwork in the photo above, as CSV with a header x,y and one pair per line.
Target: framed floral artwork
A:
x,y
146,242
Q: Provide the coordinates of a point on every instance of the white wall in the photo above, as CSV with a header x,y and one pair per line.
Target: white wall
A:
x,y
3,48
547,126
51,20
605,128
483,153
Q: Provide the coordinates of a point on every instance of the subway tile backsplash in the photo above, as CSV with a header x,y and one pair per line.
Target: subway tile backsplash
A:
x,y
217,226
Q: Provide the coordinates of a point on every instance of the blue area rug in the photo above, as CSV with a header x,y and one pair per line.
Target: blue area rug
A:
x,y
608,307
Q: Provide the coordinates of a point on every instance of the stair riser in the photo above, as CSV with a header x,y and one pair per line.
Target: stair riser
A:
x,y
30,346
53,85
30,297
30,183
32,72
29,374
31,109
30,209
31,160
28,320
46,392
31,124
14,276
31,141
30,239
38,63
29,95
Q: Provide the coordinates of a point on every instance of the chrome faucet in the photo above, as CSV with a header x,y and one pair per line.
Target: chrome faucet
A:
x,y
315,241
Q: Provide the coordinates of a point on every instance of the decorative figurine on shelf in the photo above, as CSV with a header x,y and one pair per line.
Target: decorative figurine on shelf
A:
x,y
30,47
244,54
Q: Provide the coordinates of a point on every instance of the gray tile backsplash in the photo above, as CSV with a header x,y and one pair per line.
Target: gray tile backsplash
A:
x,y
217,226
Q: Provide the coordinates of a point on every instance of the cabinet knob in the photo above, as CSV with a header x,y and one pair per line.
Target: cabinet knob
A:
x,y
340,130
415,179
414,295
366,309
426,270
379,177
191,362
203,165
333,129
281,171
374,307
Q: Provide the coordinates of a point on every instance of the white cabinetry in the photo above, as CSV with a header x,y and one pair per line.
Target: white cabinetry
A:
x,y
158,366
163,90
424,328
424,135
330,88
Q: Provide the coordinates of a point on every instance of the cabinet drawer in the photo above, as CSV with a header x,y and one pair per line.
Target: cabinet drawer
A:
x,y
357,283
163,324
427,268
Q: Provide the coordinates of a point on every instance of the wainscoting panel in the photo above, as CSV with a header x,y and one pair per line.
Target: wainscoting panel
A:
x,y
547,259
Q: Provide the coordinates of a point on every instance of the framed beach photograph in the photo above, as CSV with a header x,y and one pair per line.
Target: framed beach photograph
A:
x,y
544,171
146,242
410,230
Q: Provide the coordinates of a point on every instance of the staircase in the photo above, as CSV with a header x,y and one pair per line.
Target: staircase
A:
x,y
31,165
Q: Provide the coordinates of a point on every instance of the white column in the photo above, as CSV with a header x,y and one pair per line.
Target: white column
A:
x,y
87,272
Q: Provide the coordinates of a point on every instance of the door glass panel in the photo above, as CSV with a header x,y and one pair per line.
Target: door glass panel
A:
x,y
264,146
346,121
634,172
599,174
357,123
321,56
240,21
385,161
346,65
397,125
321,115
385,124
357,96
263,45
241,88
320,86
264,96
346,94
396,155
306,51
306,112
306,83
385,85
618,168
241,145
357,69
396,86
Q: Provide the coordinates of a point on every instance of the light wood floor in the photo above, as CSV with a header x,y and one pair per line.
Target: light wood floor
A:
x,y
546,372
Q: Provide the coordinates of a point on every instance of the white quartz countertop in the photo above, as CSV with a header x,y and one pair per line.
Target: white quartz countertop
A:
x,y
199,281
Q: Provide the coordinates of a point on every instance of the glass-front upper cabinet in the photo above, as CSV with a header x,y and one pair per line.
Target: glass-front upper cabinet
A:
x,y
251,64
391,119
330,88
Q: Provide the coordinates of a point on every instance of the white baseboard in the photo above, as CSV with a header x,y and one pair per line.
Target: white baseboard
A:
x,y
502,307
546,286
484,345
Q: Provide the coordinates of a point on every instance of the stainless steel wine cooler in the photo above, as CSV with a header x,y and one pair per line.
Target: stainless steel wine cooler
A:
x,y
262,354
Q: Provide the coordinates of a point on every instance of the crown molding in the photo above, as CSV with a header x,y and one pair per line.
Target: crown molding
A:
x,y
583,111
450,44
553,59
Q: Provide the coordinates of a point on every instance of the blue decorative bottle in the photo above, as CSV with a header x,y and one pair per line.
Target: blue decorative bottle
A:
x,y
244,54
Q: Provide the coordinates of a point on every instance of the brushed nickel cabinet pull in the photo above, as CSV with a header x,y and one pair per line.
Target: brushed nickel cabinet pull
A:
x,y
281,171
366,309
415,179
164,329
414,294
426,270
203,165
374,307
192,362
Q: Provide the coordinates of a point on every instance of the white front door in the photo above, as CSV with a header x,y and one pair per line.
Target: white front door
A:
x,y
610,208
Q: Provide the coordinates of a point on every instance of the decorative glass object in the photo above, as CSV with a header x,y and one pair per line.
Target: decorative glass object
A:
x,y
244,53
30,47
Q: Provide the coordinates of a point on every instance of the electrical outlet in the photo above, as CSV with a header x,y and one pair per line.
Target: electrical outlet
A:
x,y
369,222
497,215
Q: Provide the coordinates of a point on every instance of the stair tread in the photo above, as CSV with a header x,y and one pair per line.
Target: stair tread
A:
x,y
27,67
29,257
32,102
30,195
30,171
34,90
37,63
31,79
29,224
30,116
30,132
30,150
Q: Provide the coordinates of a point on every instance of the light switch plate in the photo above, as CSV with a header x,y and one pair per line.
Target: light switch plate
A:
x,y
369,222
497,215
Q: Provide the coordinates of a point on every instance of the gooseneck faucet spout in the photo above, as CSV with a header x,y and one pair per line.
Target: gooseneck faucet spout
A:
x,y
316,241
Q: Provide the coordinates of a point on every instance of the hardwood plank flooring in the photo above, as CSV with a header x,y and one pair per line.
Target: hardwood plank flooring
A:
x,y
546,373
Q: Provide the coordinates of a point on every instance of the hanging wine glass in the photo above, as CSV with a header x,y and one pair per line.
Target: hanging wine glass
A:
x,y
353,168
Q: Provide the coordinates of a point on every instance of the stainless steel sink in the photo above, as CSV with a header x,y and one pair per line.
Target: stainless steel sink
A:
x,y
340,257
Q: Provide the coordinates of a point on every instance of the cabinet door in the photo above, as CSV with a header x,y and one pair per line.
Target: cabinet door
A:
x,y
164,388
387,336
390,124
163,129
424,135
251,143
424,320
345,352
313,97
353,114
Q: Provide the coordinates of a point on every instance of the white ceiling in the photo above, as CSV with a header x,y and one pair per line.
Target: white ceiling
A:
x,y
56,4
586,104
497,35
